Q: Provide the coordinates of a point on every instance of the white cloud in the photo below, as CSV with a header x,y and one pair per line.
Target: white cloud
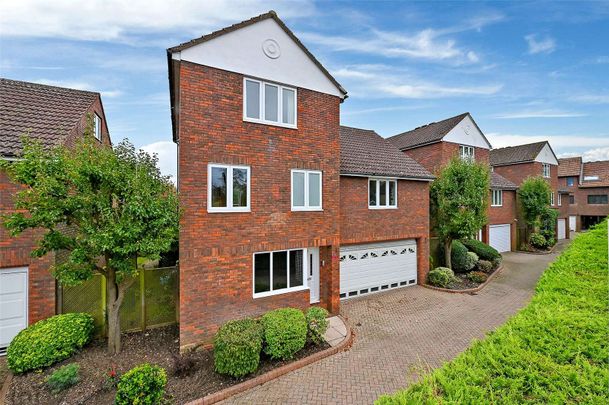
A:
x,y
540,45
108,20
565,142
79,85
596,154
539,114
167,153
592,98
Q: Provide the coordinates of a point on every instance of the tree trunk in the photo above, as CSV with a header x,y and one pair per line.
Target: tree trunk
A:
x,y
448,244
114,300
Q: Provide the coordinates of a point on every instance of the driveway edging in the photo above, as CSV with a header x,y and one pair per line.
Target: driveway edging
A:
x,y
469,290
273,374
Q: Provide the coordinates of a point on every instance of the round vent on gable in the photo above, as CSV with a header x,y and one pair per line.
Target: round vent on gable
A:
x,y
271,48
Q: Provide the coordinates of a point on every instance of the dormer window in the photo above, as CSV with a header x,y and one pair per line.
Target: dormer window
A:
x,y
466,153
97,127
546,170
269,103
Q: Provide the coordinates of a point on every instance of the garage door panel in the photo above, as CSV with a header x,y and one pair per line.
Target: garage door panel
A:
x,y
500,237
562,228
13,304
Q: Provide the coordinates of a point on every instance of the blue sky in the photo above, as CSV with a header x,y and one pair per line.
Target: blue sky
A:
x,y
526,71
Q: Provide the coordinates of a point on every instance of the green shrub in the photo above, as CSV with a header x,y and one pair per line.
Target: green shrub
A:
x,y
465,262
538,241
237,347
440,277
458,256
48,341
317,324
144,384
496,262
62,378
484,251
285,332
477,276
484,266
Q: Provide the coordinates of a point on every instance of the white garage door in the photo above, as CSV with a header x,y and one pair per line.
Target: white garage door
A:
x,y
13,304
499,237
377,267
572,223
562,228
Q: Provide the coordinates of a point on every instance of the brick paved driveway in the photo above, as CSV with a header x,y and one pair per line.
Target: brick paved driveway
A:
x,y
402,333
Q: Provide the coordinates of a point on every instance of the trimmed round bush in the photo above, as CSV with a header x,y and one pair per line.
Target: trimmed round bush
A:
x,y
459,258
538,241
484,266
285,332
440,277
237,347
477,276
317,324
49,341
142,385
484,251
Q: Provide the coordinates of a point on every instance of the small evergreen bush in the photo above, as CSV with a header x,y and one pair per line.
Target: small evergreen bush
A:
x,y
484,251
484,266
477,276
285,332
440,277
63,378
142,385
237,347
317,324
538,241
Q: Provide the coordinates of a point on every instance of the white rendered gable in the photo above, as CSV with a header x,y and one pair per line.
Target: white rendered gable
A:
x,y
467,133
261,50
546,156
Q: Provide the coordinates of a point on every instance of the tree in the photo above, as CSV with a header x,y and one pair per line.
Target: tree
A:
x,y
534,197
459,199
103,207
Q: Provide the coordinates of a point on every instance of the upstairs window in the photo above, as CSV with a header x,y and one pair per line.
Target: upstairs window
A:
x,y
306,190
598,199
571,181
552,198
97,127
382,193
571,199
228,188
466,153
496,198
269,103
546,170
559,196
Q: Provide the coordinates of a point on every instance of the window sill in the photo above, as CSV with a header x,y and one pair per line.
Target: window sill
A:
x,y
382,208
297,209
496,206
269,123
279,292
227,210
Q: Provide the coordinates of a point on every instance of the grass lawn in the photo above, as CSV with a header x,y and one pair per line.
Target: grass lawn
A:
x,y
556,350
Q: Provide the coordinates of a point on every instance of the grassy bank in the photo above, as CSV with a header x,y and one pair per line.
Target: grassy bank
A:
x,y
556,350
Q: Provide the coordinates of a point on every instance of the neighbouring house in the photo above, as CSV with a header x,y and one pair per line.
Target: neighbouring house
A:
x,y
384,215
588,186
435,144
52,116
516,163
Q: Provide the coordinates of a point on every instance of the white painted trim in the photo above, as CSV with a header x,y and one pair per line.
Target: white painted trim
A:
x,y
467,157
543,170
304,286
559,199
378,187
306,206
261,111
229,188
493,198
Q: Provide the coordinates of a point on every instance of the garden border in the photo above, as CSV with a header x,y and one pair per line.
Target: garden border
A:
x,y
539,253
278,372
468,290
5,386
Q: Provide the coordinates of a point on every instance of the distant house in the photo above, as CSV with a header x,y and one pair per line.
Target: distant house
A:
x,y
588,186
435,144
53,116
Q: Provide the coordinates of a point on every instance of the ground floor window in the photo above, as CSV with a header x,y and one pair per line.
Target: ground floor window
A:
x,y
597,199
278,272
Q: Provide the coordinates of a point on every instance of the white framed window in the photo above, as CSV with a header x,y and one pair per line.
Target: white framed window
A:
x,y
228,188
306,189
552,198
559,196
279,272
97,130
269,103
382,193
546,170
466,153
496,198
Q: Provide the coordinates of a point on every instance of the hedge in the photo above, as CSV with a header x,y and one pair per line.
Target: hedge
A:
x,y
484,251
554,351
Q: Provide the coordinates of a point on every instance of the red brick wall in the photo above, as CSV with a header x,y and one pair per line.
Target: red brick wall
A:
x,y
435,156
583,208
359,224
506,214
216,249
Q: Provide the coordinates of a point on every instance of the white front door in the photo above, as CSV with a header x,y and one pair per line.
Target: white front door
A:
x,y
13,304
499,237
562,228
572,223
313,273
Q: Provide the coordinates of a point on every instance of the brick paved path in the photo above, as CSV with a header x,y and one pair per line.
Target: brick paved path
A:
x,y
400,334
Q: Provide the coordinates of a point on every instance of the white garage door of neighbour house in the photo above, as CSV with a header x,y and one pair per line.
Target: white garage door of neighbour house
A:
x,y
572,223
562,228
375,267
13,304
499,237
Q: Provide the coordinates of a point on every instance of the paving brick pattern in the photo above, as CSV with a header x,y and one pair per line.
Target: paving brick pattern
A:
x,y
403,333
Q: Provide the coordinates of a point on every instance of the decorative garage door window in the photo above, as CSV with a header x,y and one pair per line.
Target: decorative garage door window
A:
x,y
278,272
371,268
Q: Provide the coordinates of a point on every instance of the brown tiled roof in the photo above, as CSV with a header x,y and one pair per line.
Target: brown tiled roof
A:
x,y
500,182
430,133
516,154
45,113
271,14
364,152
600,169
569,166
